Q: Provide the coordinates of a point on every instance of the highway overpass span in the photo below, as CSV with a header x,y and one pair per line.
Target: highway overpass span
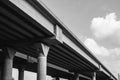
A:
x,y
32,38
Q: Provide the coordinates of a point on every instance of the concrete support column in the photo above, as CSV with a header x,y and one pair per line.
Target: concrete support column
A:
x,y
42,61
21,73
94,76
41,75
8,64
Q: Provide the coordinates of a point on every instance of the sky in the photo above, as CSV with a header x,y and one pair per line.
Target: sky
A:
x,y
96,23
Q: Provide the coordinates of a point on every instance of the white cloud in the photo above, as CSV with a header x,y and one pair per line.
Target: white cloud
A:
x,y
95,48
115,51
108,57
106,26
100,50
107,32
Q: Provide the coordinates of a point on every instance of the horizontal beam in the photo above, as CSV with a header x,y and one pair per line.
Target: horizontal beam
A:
x,y
32,12
31,59
78,50
83,76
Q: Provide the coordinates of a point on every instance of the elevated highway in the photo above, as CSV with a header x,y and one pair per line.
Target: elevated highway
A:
x,y
32,38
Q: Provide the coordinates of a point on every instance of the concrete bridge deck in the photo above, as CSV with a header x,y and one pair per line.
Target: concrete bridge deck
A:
x,y
32,38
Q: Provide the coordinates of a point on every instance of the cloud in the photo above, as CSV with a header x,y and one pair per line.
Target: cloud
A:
x,y
106,31
104,27
108,57
95,48
98,50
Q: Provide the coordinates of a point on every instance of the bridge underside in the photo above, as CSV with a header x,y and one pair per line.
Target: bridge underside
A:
x,y
21,32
